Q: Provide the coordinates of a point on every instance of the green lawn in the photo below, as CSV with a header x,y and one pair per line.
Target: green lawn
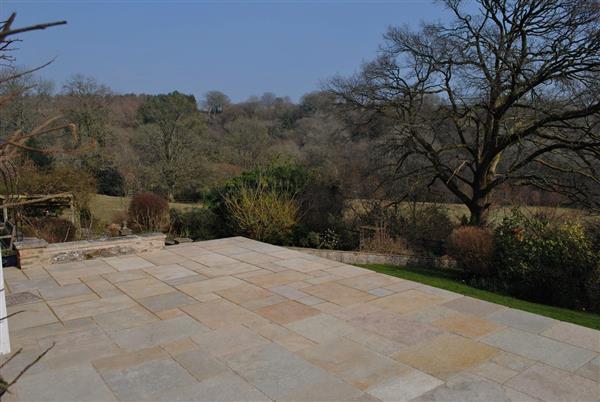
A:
x,y
449,280
103,207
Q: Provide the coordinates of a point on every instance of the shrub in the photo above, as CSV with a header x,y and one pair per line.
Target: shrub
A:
x,y
148,212
472,248
261,213
545,261
51,229
195,223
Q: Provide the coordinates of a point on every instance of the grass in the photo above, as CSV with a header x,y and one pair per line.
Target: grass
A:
x,y
103,207
449,280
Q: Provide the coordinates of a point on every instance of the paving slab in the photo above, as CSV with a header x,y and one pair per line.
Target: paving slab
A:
x,y
551,384
405,387
522,320
166,301
575,335
536,347
287,312
138,383
77,383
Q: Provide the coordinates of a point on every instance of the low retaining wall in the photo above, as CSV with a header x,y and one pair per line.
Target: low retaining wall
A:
x,y
35,253
359,257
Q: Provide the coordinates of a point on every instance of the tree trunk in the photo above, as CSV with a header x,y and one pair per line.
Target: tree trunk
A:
x,y
479,208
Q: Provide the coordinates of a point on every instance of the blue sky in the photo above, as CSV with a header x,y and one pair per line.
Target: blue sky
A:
x,y
242,48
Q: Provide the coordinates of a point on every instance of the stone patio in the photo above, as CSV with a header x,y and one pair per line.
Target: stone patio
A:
x,y
239,320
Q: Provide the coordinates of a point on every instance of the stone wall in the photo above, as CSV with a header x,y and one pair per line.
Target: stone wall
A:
x,y
359,257
35,253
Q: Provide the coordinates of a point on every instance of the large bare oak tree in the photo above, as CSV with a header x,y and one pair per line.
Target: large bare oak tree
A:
x,y
507,94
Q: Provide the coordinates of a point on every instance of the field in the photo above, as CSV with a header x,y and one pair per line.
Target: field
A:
x,y
497,213
104,207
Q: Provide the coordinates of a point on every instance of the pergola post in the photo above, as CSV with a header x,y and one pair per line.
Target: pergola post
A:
x,y
4,336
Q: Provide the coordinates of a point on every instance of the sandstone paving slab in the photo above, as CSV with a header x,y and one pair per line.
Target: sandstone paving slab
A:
x,y
321,328
81,269
408,301
210,285
522,320
471,327
536,347
213,259
380,292
122,319
446,355
31,315
591,370
73,299
301,264
470,388
120,361
166,301
575,335
221,313
468,305
338,294
29,285
244,293
93,307
283,336
374,342
369,281
139,382
330,389
396,328
512,361
226,387
126,263
347,271
405,387
76,383
253,257
169,272
234,268
551,384
290,292
188,250
431,314
64,291
277,278
228,341
200,364
162,257
276,372
256,304
101,286
141,288
155,333
494,372
354,363
287,312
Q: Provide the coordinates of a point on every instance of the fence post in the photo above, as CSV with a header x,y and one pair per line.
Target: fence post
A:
x,y
4,337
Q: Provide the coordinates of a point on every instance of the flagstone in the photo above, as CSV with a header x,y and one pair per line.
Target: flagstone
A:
x,y
405,387
29,285
126,263
277,278
122,319
123,276
213,259
224,342
347,271
289,292
244,293
139,382
338,294
125,360
396,328
536,347
470,388
301,264
169,272
286,312
408,301
162,257
321,328
471,327
101,286
353,363
575,335
591,370
522,320
31,315
234,268
62,292
471,306
222,314
195,289
75,383
368,282
226,387
155,333
551,384
446,355
494,372
166,301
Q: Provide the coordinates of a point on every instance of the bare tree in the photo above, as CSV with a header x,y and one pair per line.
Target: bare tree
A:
x,y
505,95
214,102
